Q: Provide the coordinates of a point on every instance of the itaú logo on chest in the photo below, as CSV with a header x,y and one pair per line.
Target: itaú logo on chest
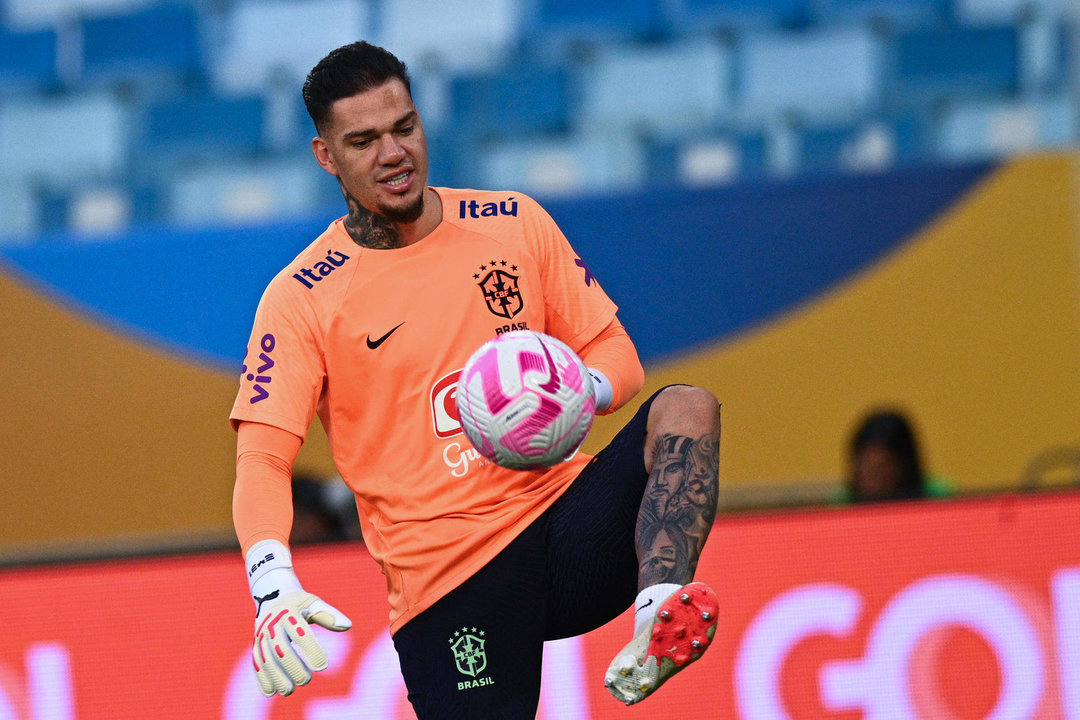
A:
x,y
444,413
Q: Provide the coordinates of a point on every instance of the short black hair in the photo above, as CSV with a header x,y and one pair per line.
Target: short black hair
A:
x,y
890,428
347,71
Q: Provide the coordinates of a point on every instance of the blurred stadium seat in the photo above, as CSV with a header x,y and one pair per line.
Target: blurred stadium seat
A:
x,y
986,129
146,48
94,211
200,127
542,101
37,14
1001,12
867,145
450,35
693,16
928,66
249,193
652,90
19,212
64,140
598,19
837,147
708,159
827,73
884,14
579,164
27,62
276,42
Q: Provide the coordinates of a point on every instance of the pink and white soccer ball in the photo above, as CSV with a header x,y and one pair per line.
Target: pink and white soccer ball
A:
x,y
525,400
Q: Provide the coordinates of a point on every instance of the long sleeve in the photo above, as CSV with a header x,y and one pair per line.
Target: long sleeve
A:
x,y
612,352
262,496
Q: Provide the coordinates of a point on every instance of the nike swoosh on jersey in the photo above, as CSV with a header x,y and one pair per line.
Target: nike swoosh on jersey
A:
x,y
376,343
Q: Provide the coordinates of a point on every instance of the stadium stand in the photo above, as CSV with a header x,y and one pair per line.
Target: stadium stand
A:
x,y
130,99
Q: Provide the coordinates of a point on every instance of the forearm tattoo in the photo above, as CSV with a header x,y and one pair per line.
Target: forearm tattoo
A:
x,y
679,507
368,229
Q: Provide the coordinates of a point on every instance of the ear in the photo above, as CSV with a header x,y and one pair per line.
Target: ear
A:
x,y
322,155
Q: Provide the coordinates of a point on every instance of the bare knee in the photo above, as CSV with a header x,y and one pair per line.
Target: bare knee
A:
x,y
686,409
683,411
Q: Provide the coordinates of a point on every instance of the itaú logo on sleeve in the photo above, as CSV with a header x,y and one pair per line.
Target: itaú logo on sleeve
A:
x,y
1020,661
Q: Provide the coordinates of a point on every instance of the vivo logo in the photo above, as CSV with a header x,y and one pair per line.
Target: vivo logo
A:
x,y
260,375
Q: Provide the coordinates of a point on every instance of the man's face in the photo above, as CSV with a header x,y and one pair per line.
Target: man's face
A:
x,y
374,143
662,557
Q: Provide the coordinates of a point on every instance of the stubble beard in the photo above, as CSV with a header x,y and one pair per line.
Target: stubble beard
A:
x,y
408,214
377,229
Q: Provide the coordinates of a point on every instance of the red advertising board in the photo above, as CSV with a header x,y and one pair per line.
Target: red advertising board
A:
x,y
948,610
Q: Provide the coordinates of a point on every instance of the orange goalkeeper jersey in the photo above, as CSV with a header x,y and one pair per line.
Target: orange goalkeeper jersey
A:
x,y
374,340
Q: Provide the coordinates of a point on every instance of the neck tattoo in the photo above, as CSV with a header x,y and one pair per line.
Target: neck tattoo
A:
x,y
368,229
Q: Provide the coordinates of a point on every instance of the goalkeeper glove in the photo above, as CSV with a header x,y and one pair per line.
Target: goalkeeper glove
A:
x,y
602,390
285,650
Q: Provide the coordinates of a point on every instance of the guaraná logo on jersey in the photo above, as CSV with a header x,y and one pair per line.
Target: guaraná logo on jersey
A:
x,y
460,456
500,288
444,412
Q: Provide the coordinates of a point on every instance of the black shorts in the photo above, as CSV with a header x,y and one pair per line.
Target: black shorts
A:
x,y
477,652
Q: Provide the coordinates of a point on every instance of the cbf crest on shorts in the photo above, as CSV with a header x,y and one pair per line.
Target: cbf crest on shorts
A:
x,y
468,649
500,288
467,644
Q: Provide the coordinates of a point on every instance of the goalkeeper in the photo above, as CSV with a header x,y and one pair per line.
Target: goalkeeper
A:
x,y
368,328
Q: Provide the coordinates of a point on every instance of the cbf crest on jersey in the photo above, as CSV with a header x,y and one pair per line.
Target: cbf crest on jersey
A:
x,y
500,288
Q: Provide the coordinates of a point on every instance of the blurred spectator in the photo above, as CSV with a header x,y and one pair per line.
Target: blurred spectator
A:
x,y
885,463
323,511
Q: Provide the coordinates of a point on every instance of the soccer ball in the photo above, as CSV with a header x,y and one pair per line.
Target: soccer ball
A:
x,y
525,400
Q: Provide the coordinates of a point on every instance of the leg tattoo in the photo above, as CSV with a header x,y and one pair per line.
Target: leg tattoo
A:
x,y
678,508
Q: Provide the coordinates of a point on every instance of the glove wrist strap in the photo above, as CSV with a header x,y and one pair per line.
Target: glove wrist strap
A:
x,y
266,556
270,573
604,393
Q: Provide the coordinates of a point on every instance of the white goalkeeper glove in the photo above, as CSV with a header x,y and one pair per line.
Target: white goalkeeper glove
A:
x,y
285,650
603,392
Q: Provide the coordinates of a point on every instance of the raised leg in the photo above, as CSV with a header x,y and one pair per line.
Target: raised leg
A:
x,y
682,454
676,618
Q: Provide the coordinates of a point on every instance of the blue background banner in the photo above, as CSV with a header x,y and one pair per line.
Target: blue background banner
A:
x,y
686,267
